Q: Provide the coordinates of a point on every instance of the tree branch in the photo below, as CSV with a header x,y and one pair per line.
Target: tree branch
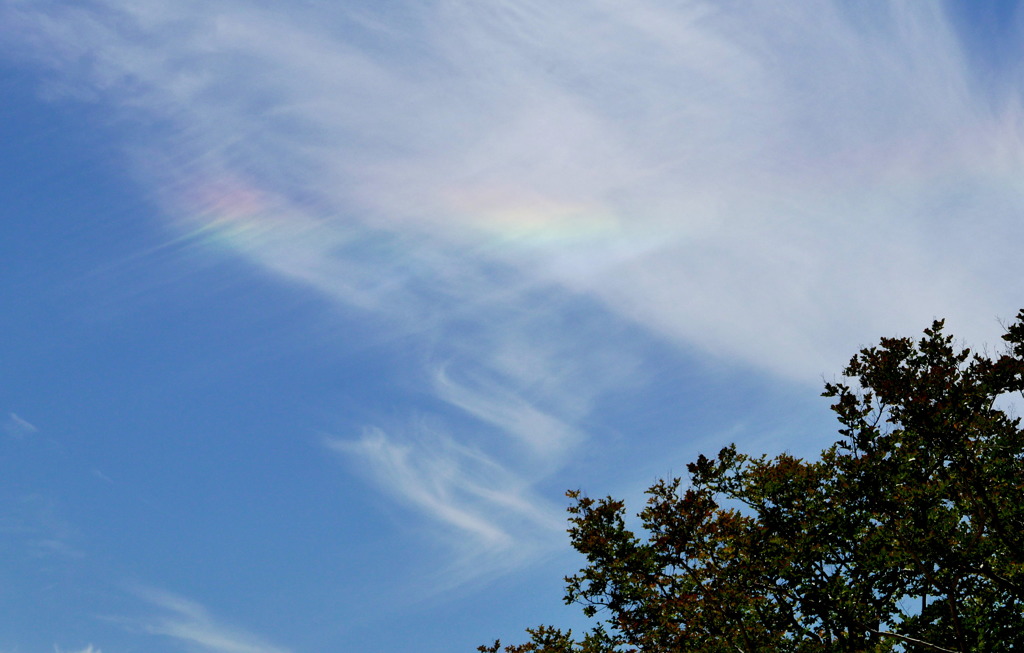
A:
x,y
911,640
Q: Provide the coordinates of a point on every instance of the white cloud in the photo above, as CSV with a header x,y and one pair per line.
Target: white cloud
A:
x,y
544,435
775,184
484,504
189,623
37,523
768,193
87,649
17,427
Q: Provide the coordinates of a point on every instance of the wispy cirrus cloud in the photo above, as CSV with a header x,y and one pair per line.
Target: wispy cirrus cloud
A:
x,y
459,485
18,427
770,184
543,435
686,166
190,624
36,523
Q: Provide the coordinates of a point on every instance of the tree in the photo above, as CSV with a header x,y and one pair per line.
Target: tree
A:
x,y
907,534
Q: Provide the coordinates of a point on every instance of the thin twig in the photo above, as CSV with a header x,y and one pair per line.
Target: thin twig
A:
x,y
911,640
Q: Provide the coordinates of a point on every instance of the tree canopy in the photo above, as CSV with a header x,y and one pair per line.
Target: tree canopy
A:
x,y
907,534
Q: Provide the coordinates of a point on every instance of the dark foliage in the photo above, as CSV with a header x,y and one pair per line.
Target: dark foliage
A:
x,y
906,535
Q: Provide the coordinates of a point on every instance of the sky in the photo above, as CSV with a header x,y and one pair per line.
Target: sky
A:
x,y
313,311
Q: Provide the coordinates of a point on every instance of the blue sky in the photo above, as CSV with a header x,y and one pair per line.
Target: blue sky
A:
x,y
313,312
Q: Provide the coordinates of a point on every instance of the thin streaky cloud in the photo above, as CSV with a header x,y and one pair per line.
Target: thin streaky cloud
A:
x,y
18,427
461,487
191,624
37,526
545,436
